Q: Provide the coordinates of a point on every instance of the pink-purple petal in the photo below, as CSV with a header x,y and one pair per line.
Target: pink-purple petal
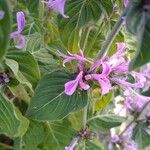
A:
x,y
72,85
20,21
105,85
57,5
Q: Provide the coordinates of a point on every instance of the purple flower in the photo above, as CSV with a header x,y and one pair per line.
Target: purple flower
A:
x,y
73,144
4,79
102,78
57,5
115,139
134,101
1,14
130,145
139,81
72,85
125,2
17,34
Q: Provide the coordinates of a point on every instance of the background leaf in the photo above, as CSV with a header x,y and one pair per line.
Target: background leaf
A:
x,y
140,135
138,24
5,27
50,101
81,12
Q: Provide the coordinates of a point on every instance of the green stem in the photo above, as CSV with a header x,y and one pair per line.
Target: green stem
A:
x,y
113,34
85,116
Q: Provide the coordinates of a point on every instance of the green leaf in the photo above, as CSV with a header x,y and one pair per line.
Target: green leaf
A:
x,y
33,6
5,27
9,122
138,24
28,66
59,135
140,135
50,101
105,122
81,12
33,137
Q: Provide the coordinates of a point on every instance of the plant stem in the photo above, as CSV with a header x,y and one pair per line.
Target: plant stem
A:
x,y
135,118
113,34
85,116
6,146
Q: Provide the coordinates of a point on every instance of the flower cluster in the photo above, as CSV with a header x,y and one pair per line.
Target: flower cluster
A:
x,y
106,72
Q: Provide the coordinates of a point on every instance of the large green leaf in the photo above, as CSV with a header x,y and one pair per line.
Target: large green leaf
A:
x,y
80,12
12,123
105,122
59,135
50,101
141,136
27,65
5,27
138,24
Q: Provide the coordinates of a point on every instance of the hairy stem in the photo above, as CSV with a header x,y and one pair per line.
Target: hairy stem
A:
x,y
113,34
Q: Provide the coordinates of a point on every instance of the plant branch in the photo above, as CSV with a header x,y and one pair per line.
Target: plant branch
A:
x,y
113,34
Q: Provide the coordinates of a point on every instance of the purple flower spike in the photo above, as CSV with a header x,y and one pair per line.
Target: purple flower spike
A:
x,y
57,5
17,34
1,14
72,85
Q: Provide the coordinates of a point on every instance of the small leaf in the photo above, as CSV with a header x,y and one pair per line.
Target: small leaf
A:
x,y
141,136
101,102
50,101
5,27
105,122
24,123
28,66
12,123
